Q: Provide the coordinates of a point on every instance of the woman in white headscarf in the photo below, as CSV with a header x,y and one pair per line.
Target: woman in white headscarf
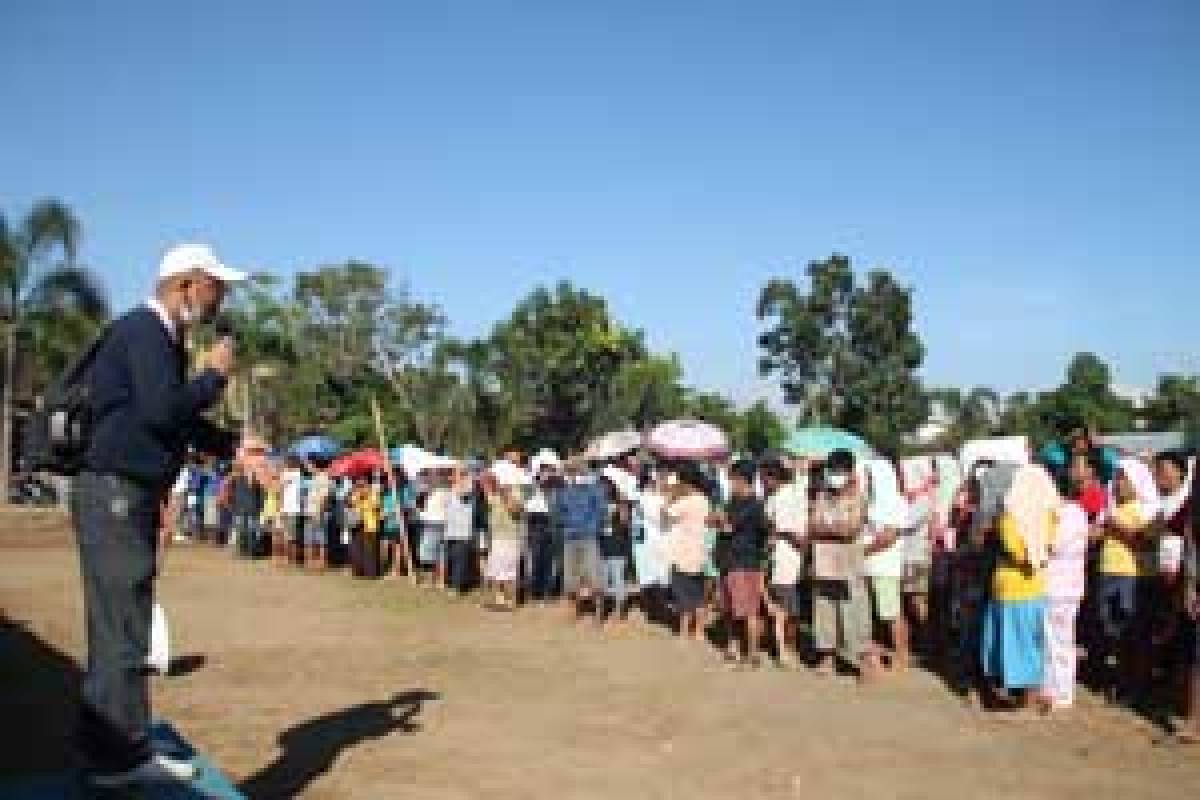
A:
x,y
887,516
1125,580
1013,642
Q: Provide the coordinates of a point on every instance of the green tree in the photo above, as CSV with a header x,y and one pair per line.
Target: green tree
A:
x,y
1023,414
847,354
758,430
643,393
1175,405
1087,398
46,296
973,415
556,355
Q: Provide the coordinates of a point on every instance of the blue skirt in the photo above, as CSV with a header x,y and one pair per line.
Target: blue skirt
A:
x,y
1013,642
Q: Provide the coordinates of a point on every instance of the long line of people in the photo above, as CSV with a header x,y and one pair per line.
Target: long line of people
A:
x,y
1004,580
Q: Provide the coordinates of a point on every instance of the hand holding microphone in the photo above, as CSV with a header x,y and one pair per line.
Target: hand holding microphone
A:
x,y
221,356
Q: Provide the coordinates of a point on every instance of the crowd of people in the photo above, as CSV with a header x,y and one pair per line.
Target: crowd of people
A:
x,y
1014,581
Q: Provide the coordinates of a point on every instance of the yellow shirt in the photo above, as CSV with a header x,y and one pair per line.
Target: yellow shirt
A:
x,y
367,505
1117,557
1011,583
270,506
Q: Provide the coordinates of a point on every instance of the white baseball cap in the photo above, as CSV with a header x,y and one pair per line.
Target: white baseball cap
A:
x,y
185,258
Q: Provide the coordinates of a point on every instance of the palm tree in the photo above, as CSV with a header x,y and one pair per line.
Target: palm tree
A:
x,y
38,291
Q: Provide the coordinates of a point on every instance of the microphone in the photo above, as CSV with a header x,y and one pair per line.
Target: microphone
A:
x,y
223,328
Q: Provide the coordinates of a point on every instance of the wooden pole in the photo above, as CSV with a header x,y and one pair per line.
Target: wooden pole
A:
x,y
387,461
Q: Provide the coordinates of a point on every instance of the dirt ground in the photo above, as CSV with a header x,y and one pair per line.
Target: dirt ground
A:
x,y
325,687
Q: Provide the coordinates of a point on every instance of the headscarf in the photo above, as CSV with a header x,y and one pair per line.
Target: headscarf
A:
x,y
949,480
887,507
993,484
1172,503
1031,502
1144,487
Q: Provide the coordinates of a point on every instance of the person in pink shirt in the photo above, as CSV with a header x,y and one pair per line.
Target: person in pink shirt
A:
x,y
686,516
1066,578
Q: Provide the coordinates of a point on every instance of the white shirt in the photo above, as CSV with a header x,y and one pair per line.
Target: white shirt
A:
x,y
293,487
161,312
537,503
889,562
435,505
183,481
787,510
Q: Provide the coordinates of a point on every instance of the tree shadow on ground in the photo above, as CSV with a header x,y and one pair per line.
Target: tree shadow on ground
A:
x,y
311,748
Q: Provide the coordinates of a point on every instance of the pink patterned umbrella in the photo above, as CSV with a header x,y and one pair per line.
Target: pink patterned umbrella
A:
x,y
687,439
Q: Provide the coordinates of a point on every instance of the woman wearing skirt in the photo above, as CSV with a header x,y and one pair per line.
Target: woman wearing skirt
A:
x,y
1013,646
507,530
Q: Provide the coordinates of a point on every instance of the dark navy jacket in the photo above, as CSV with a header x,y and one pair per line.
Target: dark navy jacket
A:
x,y
148,413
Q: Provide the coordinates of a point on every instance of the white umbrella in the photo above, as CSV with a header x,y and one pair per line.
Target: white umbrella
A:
x,y
544,458
439,462
507,473
688,439
614,444
626,484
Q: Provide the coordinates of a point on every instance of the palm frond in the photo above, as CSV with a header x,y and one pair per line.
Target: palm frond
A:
x,y
49,225
70,288
13,267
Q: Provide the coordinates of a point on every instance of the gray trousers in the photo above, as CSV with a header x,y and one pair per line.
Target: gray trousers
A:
x,y
116,523
841,618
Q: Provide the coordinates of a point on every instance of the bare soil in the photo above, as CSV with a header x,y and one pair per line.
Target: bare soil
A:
x,y
326,687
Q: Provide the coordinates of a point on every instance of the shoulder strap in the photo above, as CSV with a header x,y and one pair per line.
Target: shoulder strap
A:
x,y
77,368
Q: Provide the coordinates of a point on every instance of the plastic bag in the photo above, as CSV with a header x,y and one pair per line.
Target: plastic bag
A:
x,y
159,657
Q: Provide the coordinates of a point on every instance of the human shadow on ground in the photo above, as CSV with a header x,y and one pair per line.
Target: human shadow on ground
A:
x,y
39,702
311,748
186,665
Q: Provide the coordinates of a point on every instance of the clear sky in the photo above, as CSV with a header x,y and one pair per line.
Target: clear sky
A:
x,y
1031,168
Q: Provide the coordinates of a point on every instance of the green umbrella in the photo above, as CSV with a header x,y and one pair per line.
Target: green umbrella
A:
x,y
820,442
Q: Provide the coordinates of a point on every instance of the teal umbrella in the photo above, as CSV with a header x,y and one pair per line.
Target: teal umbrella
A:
x,y
820,442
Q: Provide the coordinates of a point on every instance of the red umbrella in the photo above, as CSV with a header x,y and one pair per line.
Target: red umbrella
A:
x,y
358,463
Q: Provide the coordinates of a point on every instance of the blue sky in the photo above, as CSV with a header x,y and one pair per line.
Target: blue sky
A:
x,y
1030,168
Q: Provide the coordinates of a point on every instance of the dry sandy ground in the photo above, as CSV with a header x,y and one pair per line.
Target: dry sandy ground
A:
x,y
325,687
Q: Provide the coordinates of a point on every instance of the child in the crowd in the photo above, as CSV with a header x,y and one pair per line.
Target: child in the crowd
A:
x,y
887,517
787,508
740,554
841,601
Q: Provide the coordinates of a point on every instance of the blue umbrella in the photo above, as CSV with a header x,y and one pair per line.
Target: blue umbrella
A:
x,y
315,447
818,442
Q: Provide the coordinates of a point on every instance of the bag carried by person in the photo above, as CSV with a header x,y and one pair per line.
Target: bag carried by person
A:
x,y
832,561
159,657
59,431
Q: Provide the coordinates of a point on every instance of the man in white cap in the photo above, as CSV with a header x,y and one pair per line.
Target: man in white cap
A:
x,y
147,414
